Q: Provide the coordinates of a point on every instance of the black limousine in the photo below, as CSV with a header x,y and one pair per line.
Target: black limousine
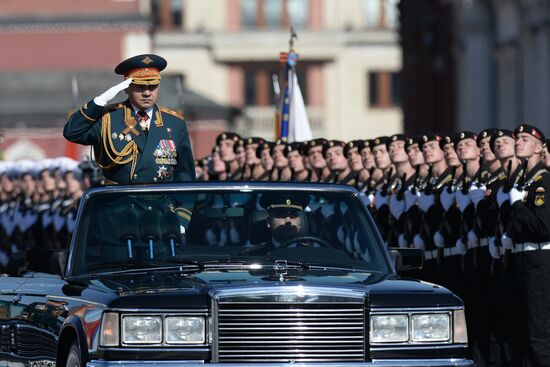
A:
x,y
250,274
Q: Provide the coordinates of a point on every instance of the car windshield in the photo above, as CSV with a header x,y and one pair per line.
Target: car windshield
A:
x,y
129,230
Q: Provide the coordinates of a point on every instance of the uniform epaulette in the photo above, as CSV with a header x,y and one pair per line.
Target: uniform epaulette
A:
x,y
538,178
171,112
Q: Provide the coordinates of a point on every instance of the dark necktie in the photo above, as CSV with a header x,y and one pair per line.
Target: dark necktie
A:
x,y
143,117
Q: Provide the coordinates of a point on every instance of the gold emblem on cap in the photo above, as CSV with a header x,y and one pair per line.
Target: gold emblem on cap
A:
x,y
521,128
249,140
288,202
350,144
462,135
410,141
147,60
312,143
500,133
425,138
377,141
484,134
394,138
224,136
331,144
447,139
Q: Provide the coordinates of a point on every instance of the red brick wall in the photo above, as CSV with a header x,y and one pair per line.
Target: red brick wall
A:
x,y
71,50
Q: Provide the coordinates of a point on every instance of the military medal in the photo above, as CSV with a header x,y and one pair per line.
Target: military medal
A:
x,y
114,135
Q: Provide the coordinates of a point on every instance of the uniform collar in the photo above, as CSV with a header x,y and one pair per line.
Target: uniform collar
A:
x,y
148,111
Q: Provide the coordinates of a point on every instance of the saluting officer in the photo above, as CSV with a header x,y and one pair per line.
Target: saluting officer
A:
x,y
135,141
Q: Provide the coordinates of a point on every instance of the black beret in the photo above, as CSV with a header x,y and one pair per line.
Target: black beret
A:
x,y
279,142
225,136
486,133
201,162
313,143
499,133
143,69
261,147
396,137
411,140
350,145
238,144
253,140
381,140
429,137
365,143
465,135
447,139
286,200
293,147
332,143
531,130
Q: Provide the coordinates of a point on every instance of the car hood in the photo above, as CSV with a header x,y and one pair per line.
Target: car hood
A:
x,y
172,290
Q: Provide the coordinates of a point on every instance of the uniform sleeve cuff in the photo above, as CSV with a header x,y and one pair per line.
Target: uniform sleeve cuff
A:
x,y
91,111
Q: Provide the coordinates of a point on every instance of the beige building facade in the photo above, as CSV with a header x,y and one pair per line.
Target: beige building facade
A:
x,y
228,51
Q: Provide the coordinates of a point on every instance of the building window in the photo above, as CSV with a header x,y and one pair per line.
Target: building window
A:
x,y
167,14
274,14
258,82
384,89
381,13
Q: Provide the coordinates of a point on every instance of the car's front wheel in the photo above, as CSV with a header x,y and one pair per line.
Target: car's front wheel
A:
x,y
73,358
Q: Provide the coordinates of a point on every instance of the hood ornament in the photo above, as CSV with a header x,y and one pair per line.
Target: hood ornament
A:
x,y
280,268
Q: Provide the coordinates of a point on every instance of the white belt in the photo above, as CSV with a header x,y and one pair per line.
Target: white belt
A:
x,y
502,250
450,251
428,255
484,242
532,246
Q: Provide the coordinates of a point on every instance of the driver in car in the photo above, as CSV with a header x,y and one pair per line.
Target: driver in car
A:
x,y
284,217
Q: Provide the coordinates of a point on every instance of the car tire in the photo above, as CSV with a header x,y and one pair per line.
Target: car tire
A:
x,y
73,358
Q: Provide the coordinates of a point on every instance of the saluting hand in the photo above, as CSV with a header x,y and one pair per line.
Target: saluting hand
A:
x,y
111,93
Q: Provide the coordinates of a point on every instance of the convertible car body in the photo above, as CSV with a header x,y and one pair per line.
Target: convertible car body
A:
x,y
198,273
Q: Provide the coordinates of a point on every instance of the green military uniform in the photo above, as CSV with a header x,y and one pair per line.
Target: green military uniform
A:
x,y
122,149
151,147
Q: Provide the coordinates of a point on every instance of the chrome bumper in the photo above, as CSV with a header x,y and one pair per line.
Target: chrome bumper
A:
x,y
378,362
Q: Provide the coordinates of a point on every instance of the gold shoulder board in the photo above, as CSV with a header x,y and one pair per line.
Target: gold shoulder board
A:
x,y
171,112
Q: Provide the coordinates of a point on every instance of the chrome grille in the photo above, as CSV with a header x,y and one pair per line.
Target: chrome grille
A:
x,y
291,332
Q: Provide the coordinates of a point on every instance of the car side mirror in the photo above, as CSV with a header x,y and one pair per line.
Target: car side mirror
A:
x,y
406,258
46,261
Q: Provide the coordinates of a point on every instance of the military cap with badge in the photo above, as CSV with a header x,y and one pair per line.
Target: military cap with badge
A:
x,y
281,204
500,133
331,144
267,145
531,130
319,142
486,133
293,147
351,145
227,136
426,138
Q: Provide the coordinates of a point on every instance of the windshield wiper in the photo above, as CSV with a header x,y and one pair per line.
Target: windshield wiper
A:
x,y
132,264
307,266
